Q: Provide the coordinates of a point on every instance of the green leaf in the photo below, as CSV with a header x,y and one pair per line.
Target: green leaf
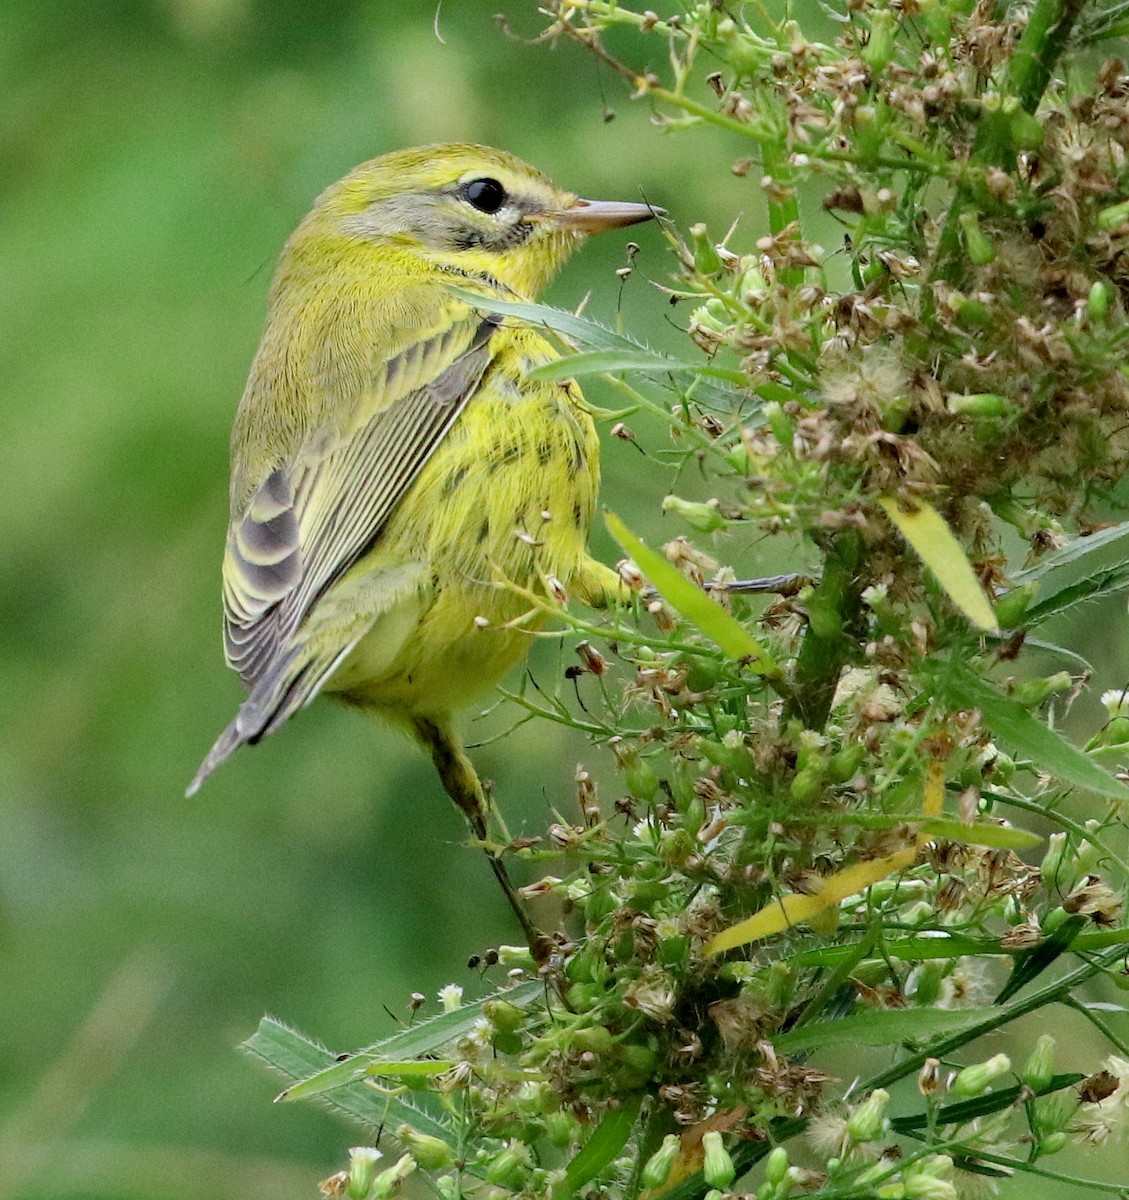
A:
x,y
881,1027
427,1037
886,1027
930,536
294,1057
606,1141
1086,569
1024,734
1034,962
593,336
704,613
999,837
596,362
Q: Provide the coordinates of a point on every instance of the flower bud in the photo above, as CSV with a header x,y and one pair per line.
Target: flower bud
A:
x,y
979,248
1115,215
506,1167
1039,1069
1097,303
502,1015
776,1165
701,516
362,1171
387,1182
717,1169
431,1153
707,261
1012,606
780,424
868,1122
656,1170
977,1078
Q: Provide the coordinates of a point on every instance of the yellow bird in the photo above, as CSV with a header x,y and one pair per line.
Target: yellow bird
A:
x,y
393,470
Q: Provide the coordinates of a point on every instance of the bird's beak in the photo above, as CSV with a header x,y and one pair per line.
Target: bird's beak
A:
x,y
593,216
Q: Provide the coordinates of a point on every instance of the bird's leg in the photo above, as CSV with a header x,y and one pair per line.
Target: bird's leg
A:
x,y
460,782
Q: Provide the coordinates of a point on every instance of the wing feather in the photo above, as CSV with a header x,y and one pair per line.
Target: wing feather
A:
x,y
313,518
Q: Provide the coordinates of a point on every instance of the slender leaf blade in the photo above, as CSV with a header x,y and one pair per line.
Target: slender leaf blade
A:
x,y
606,1141
880,1027
1021,732
933,541
704,613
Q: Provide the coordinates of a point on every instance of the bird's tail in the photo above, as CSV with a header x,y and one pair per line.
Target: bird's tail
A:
x,y
287,687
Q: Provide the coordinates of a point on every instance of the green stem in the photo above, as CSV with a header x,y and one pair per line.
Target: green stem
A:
x,y
832,610
1048,29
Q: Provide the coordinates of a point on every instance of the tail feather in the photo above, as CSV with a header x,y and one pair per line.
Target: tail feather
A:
x,y
276,697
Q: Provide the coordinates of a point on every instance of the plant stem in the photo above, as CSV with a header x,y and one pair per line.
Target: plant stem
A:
x,y
832,609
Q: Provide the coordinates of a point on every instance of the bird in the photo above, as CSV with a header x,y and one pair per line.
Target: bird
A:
x,y
399,485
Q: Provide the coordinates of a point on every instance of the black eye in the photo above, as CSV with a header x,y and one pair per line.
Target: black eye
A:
x,y
487,195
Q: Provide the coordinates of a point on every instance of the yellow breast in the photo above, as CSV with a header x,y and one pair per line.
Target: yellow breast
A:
x,y
506,500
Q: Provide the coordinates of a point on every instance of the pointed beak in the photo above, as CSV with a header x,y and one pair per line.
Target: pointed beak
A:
x,y
594,216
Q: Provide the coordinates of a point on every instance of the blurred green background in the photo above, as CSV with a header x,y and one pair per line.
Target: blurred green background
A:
x,y
153,158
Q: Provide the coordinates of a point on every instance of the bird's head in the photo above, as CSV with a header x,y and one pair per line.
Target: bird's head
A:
x,y
470,207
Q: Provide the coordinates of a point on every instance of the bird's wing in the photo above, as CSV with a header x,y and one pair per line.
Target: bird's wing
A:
x,y
312,518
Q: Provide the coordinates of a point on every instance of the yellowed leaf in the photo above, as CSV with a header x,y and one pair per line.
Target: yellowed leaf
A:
x,y
929,535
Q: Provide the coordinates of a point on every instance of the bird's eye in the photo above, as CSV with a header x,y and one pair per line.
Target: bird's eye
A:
x,y
487,195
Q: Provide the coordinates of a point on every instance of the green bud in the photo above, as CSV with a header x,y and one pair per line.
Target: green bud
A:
x,y
776,1165
843,765
979,248
868,1122
516,956
431,1153
979,404
718,1169
806,786
502,1015
596,1038
362,1171
506,1167
1051,1144
1053,919
925,1187
1115,215
1051,1114
583,997
656,1170
1053,859
674,951
701,516
1033,692
641,779
1040,1067
1012,606
1025,131
707,261
880,45
976,1079
925,982
781,425
1097,303
561,1128
388,1182
638,1058
972,313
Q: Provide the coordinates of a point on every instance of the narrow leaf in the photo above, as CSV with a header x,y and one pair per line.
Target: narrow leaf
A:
x,y
1036,960
596,362
424,1038
926,531
593,336
880,1027
795,908
999,837
703,612
1024,734
294,1056
606,1141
